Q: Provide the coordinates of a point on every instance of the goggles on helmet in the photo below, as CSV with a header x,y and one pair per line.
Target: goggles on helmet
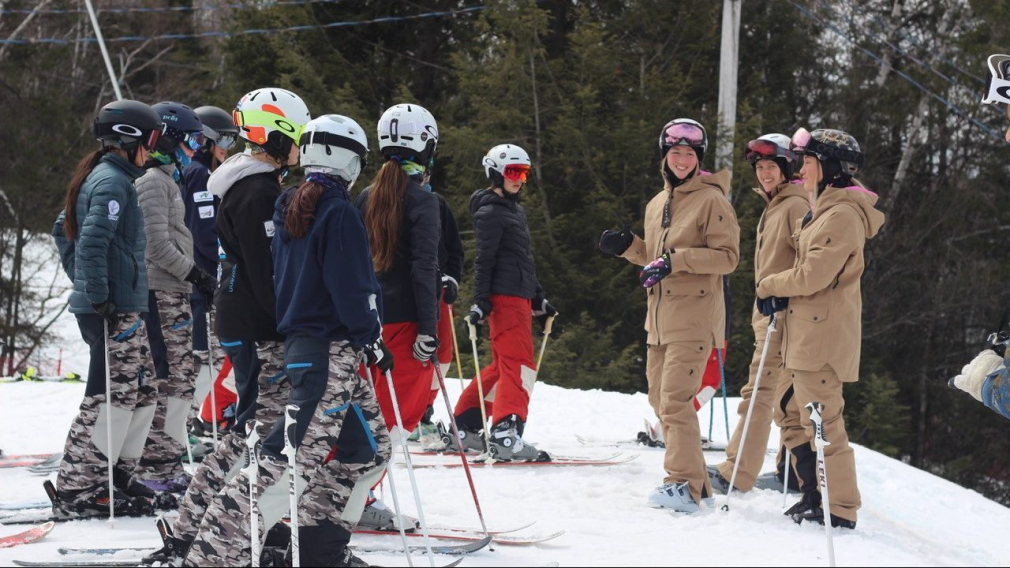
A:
x,y
800,140
268,119
683,134
152,137
766,150
194,140
226,141
516,172
820,149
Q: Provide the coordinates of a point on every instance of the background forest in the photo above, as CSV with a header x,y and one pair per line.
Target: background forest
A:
x,y
585,87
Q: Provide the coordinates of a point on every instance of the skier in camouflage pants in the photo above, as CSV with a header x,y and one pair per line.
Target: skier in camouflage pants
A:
x,y
362,444
267,406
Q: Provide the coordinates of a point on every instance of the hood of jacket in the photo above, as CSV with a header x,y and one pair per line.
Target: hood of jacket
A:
x,y
783,191
487,196
859,198
233,169
719,180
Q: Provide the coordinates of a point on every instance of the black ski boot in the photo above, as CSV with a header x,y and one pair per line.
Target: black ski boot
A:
x,y
174,549
816,515
97,504
326,545
128,485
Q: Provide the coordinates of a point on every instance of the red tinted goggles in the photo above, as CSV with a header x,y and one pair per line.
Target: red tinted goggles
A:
x,y
766,150
153,137
683,133
516,172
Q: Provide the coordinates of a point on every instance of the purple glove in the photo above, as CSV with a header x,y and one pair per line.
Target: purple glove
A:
x,y
655,271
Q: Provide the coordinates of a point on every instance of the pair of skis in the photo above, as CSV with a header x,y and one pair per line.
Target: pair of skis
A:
x,y
544,460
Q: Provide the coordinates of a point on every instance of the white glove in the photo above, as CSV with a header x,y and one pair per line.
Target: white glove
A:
x,y
973,374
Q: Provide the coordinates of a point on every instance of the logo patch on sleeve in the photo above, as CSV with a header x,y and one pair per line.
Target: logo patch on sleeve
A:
x,y
113,210
201,196
269,226
206,211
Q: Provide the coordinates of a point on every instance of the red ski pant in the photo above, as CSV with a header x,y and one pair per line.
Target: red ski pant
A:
x,y
445,352
712,378
509,379
411,378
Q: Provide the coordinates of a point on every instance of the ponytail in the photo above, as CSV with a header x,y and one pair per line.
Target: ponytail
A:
x,y
84,169
302,209
385,212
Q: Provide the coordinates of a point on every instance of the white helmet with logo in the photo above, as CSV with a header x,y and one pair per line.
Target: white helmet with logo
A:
x,y
335,145
504,155
409,132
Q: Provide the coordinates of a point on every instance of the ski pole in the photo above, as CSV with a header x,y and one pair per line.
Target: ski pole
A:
x,y
410,466
785,484
543,345
392,489
462,452
252,470
290,432
821,442
213,378
455,345
108,424
750,407
480,392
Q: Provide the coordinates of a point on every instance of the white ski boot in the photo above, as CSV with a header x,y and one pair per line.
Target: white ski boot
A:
x,y
676,496
378,517
473,442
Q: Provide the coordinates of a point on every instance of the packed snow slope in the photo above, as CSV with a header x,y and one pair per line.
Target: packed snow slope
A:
x,y
909,517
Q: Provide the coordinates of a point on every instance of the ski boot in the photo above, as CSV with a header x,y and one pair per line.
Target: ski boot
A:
x,y
173,551
508,445
772,481
809,509
378,517
127,484
719,483
472,441
96,504
176,486
677,496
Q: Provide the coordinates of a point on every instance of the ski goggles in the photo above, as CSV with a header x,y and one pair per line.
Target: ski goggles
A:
x,y
767,150
194,140
683,134
261,119
151,141
800,140
516,172
226,141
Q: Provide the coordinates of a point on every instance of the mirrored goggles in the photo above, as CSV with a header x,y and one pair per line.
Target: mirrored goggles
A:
x,y
800,140
516,172
194,140
226,141
766,150
683,134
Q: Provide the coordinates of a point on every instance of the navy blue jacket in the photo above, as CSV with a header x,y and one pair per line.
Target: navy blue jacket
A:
x,y
324,281
106,262
201,212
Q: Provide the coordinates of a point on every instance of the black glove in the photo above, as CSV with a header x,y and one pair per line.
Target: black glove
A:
x,y
616,242
108,311
424,347
450,289
542,313
772,304
204,282
378,355
476,316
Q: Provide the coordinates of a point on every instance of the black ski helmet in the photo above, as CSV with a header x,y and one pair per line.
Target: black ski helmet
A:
x,y
127,124
684,132
180,123
838,152
217,123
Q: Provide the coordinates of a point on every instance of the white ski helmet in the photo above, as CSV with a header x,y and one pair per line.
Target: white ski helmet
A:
x,y
271,118
773,147
335,145
502,156
408,131
997,90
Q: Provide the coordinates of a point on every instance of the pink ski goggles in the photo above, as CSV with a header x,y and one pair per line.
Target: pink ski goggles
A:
x,y
683,134
800,140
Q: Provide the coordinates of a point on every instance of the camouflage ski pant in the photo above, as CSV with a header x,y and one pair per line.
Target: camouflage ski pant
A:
x,y
327,388
262,364
171,392
86,454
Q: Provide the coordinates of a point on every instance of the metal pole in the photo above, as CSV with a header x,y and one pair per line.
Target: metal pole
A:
x,y
108,424
105,52
785,483
213,376
750,409
252,470
821,442
729,61
291,450
548,327
480,393
455,345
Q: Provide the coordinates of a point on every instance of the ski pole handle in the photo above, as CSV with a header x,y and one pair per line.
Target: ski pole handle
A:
x,y
549,326
473,331
290,429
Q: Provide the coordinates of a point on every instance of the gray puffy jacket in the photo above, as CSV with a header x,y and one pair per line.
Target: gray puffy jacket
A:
x,y
169,254
106,262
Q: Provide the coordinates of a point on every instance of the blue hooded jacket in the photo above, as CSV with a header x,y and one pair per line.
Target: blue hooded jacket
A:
x,y
324,281
106,262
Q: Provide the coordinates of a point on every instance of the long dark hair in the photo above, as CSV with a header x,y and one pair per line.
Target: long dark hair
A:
x,y
84,169
385,211
302,208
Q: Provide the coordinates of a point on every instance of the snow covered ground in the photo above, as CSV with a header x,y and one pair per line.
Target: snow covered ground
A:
x,y
909,517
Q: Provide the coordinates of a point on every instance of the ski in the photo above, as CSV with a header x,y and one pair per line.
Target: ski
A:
x,y
47,466
616,459
449,550
505,540
123,562
26,537
706,445
26,460
18,506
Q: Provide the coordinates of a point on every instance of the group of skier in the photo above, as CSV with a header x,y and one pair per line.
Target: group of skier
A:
x,y
316,297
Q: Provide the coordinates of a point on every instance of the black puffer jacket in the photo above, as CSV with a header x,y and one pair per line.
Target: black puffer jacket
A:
x,y
504,263
450,246
412,287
